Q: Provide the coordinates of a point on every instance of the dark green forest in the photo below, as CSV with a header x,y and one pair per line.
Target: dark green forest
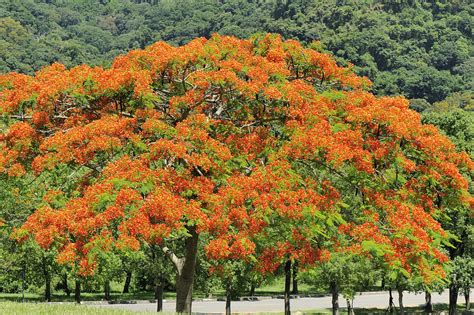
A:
x,y
422,49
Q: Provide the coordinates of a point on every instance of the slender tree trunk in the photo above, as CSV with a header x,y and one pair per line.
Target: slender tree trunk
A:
x,y
159,296
295,278
128,279
252,290
287,286
186,267
428,304
390,300
382,285
66,285
467,299
453,298
335,298
350,308
228,299
400,301
77,292
107,290
47,281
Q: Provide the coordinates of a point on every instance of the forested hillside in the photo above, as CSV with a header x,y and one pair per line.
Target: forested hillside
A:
x,y
421,49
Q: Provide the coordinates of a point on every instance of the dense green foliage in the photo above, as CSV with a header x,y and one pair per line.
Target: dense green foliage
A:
x,y
421,49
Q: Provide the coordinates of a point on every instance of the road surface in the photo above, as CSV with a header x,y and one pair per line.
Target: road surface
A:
x,y
364,300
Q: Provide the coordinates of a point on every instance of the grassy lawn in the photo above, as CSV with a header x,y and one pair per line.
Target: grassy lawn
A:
x,y
10,308
85,296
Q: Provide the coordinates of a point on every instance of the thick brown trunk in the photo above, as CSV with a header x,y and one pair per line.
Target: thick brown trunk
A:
x,y
428,304
128,279
295,278
228,299
287,286
453,298
159,296
77,292
107,290
400,301
467,299
335,298
66,286
186,269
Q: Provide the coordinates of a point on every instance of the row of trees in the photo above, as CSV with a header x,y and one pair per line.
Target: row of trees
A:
x,y
255,155
420,49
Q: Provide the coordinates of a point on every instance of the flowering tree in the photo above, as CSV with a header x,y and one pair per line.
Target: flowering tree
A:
x,y
233,138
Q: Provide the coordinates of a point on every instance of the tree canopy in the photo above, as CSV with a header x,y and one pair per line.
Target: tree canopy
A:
x,y
263,149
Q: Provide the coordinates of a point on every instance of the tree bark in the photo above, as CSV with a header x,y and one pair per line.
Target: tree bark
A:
x,y
390,301
453,298
77,292
47,281
252,290
186,267
295,278
159,296
228,299
400,301
428,304
128,280
107,290
350,308
287,286
335,298
66,286
467,299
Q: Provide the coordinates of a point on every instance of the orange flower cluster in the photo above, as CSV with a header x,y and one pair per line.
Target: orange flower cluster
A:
x,y
233,138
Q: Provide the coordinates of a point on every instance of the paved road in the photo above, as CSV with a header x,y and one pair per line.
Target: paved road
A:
x,y
365,300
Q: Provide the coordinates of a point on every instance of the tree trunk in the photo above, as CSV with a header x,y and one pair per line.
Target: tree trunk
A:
x,y
47,281
228,299
350,308
159,296
252,290
453,298
66,286
390,301
128,279
467,299
186,267
77,292
287,286
335,298
107,290
428,304
382,285
295,278
400,301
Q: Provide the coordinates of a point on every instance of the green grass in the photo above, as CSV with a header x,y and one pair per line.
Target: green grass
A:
x,y
10,308
85,296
